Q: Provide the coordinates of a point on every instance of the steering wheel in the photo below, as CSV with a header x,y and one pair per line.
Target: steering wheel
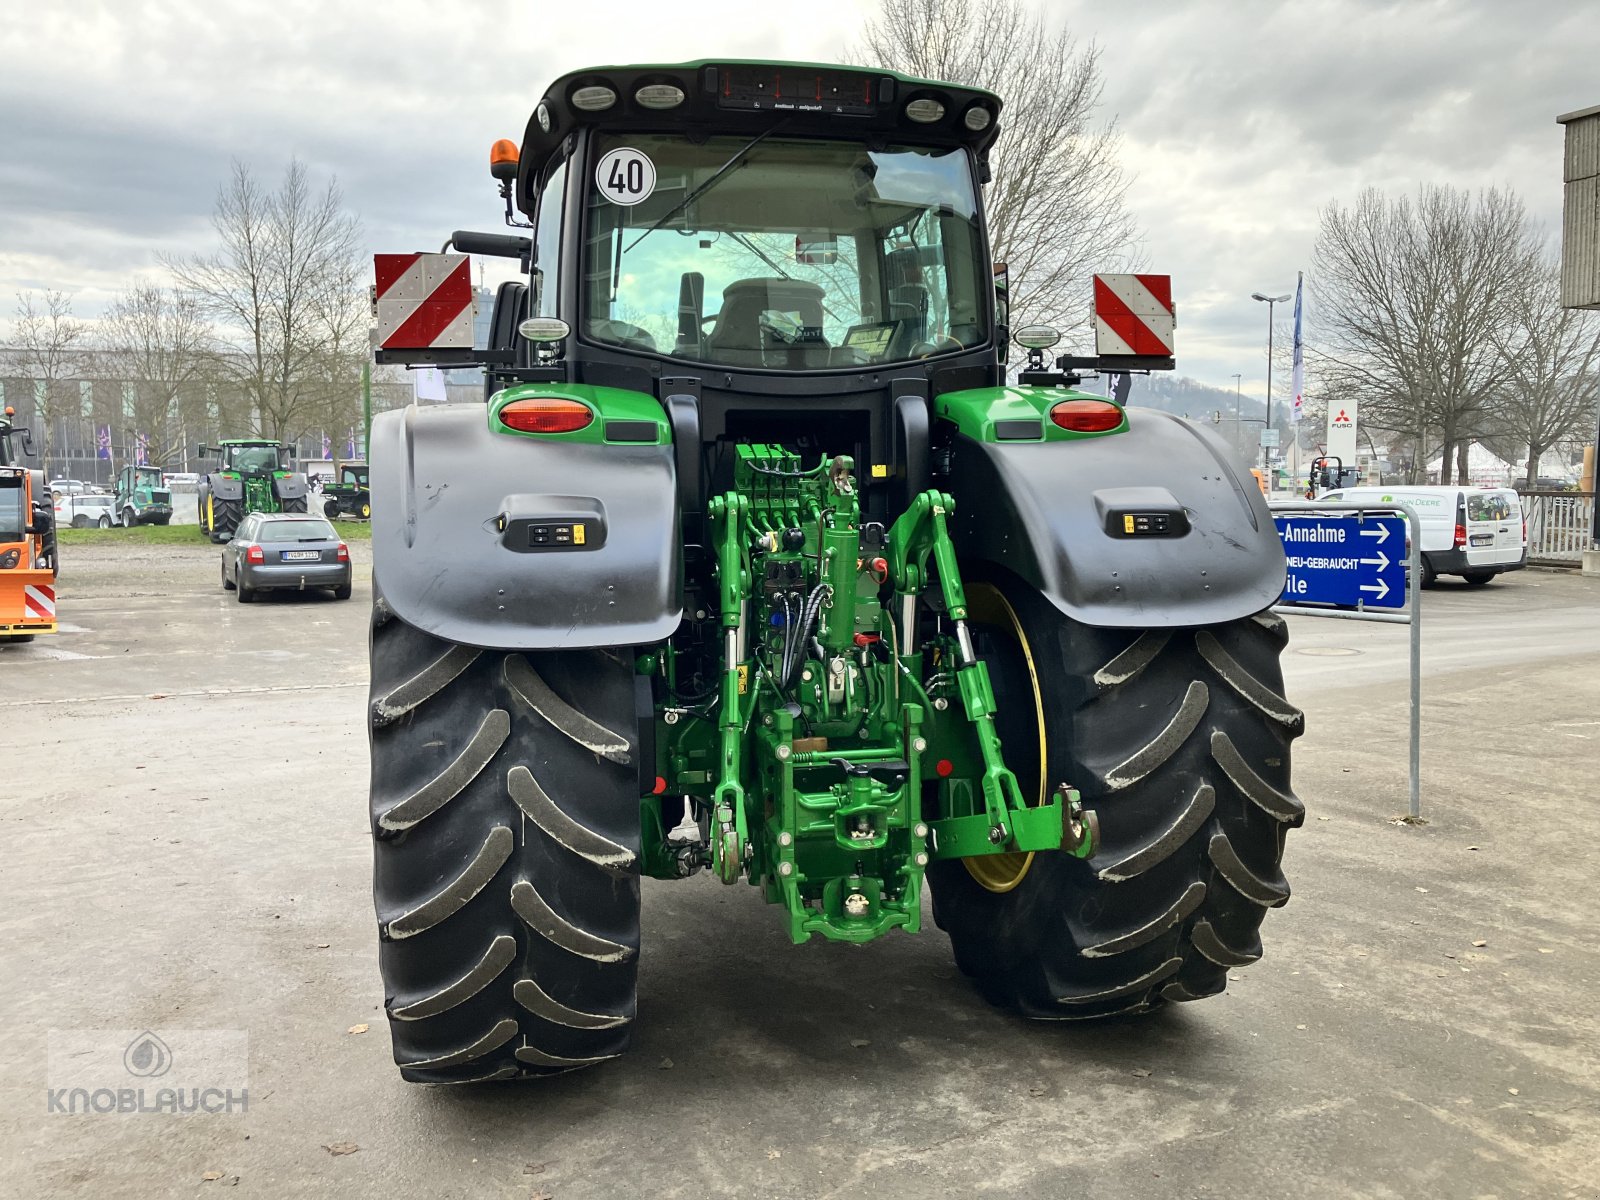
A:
x,y
624,334
939,345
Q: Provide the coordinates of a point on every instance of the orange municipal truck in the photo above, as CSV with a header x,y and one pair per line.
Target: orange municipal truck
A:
x,y
27,541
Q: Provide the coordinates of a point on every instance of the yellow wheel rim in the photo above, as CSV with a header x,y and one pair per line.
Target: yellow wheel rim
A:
x,y
986,606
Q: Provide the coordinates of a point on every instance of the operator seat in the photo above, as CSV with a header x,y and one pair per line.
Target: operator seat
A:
x,y
737,338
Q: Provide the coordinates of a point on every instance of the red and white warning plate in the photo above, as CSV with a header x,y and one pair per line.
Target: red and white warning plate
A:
x,y
424,301
38,602
1133,315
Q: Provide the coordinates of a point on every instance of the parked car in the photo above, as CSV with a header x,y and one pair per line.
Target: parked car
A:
x,y
83,511
285,552
184,480
1475,533
67,487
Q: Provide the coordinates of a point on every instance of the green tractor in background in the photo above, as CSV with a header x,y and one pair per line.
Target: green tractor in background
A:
x,y
253,475
348,494
142,497
754,564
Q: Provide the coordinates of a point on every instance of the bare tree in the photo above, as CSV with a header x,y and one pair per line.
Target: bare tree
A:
x,y
49,346
1415,299
286,283
161,346
1552,369
1056,205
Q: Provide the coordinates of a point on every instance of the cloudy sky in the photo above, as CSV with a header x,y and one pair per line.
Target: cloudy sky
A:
x,y
1239,120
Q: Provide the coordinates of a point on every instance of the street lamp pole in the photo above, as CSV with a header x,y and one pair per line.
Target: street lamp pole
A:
x,y
1269,301
1238,394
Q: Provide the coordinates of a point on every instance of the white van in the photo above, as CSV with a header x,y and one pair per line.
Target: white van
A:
x,y
1472,532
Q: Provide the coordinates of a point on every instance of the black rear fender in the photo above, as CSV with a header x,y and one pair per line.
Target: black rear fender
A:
x,y
457,511
224,488
1056,514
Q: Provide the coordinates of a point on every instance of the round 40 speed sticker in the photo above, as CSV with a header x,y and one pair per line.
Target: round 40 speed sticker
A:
x,y
625,176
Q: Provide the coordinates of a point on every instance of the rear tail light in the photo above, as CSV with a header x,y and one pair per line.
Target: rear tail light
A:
x,y
255,554
344,552
1461,537
1086,416
546,414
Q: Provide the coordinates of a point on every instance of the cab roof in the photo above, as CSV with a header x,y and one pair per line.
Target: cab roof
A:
x,y
743,97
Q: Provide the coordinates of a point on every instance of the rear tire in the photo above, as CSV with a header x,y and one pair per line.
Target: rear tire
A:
x,y
104,522
330,509
227,584
296,505
246,594
343,593
1179,740
225,518
505,820
1429,575
1478,578
127,518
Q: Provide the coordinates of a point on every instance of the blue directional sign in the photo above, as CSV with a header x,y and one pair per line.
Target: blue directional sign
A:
x,y
1344,560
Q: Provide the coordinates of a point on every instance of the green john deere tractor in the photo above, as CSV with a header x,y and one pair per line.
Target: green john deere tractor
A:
x,y
253,475
753,563
347,495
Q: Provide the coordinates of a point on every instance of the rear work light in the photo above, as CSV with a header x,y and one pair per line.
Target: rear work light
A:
x,y
546,414
659,96
1086,416
595,98
254,554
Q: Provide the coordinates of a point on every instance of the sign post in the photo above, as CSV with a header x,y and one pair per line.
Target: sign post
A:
x,y
1354,561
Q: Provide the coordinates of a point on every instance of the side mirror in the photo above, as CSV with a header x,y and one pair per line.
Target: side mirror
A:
x,y
202,451
27,442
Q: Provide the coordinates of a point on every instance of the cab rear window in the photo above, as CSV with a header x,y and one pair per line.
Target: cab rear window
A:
x,y
1490,506
295,531
12,518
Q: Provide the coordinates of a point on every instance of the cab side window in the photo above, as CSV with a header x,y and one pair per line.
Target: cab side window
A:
x,y
547,244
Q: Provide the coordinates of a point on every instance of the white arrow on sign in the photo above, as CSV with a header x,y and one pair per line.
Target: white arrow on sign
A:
x,y
1380,587
1381,562
1381,533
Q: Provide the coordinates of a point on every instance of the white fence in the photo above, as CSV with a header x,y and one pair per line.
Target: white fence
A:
x,y
1560,526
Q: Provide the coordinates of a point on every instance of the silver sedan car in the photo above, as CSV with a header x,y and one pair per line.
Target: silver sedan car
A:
x,y
285,552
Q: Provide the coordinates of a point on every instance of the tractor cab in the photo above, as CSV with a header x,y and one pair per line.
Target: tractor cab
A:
x,y
766,242
254,457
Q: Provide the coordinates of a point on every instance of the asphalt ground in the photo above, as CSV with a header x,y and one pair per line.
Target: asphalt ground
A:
x,y
185,847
